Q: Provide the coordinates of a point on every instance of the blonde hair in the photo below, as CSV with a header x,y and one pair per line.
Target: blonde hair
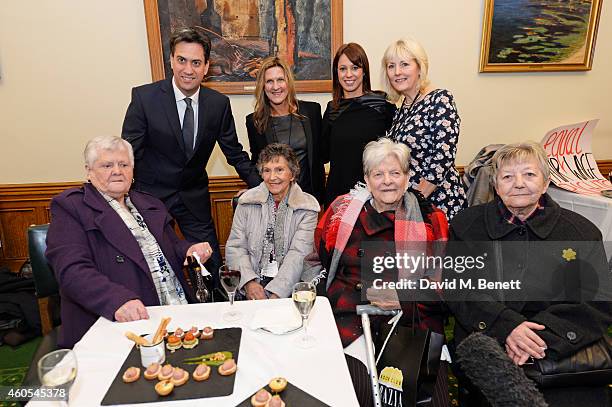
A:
x,y
262,112
376,151
408,49
519,152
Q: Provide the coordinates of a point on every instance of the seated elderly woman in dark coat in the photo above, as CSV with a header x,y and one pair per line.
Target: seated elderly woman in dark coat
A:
x,y
113,251
551,251
384,211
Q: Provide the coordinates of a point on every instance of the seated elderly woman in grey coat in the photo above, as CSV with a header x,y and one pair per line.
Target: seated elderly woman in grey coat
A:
x,y
273,227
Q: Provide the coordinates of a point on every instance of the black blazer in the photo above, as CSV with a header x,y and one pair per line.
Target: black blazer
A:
x,y
312,129
162,167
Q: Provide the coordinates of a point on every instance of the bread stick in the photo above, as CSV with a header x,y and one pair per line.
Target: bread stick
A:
x,y
160,330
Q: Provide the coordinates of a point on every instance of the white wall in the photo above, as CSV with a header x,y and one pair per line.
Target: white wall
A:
x,y
68,66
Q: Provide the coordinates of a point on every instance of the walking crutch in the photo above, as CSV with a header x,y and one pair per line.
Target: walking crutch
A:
x,y
365,311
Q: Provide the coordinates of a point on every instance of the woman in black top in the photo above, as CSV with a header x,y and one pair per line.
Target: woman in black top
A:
x,y
280,118
354,117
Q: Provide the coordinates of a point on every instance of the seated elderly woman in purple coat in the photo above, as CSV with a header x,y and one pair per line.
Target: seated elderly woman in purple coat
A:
x,y
114,251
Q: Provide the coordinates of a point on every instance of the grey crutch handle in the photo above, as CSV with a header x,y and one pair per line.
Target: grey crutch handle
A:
x,y
375,310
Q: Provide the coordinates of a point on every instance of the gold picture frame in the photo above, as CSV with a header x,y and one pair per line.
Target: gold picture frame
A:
x,y
160,19
539,35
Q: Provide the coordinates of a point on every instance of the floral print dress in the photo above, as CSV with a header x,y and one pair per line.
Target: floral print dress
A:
x,y
431,129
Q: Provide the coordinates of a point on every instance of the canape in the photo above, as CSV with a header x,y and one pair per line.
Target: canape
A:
x,y
260,398
207,333
189,341
131,374
174,343
152,371
228,367
164,387
179,377
166,372
278,384
194,331
201,373
275,401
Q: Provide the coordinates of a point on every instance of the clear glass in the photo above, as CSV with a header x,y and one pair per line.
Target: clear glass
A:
x,y
58,369
304,296
230,279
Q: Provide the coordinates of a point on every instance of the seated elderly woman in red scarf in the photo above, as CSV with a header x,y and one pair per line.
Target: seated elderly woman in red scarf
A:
x,y
382,210
114,251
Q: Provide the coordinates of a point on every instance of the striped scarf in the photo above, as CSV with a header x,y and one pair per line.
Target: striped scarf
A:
x,y
168,287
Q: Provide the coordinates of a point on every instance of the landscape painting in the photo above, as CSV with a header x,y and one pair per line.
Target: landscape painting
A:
x,y
539,35
305,33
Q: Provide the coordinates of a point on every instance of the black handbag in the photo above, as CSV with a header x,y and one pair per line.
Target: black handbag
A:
x,y
590,366
408,366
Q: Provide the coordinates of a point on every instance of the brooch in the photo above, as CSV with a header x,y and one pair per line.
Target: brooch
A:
x,y
569,254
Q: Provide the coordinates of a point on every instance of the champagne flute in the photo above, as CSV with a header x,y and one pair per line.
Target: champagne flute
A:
x,y
230,279
304,296
58,370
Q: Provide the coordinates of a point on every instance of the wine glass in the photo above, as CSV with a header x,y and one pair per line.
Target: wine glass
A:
x,y
304,296
230,278
58,370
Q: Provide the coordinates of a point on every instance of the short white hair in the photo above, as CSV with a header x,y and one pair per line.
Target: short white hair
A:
x,y
519,153
376,151
109,143
407,49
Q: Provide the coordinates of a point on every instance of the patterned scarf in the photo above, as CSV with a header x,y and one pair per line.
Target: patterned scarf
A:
x,y
168,287
274,239
337,224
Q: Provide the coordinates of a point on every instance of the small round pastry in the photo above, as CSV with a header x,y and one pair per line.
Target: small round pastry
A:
x,y
278,384
152,371
164,387
174,343
201,373
179,332
179,377
207,333
189,341
275,401
228,367
260,398
131,374
194,331
166,372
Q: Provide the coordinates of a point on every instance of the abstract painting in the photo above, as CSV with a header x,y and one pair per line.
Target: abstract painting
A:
x,y
305,33
539,35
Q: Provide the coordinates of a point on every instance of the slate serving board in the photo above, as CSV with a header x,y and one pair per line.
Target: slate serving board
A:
x,y
143,390
293,396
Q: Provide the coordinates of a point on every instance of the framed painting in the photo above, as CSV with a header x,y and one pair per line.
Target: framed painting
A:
x,y
539,35
306,33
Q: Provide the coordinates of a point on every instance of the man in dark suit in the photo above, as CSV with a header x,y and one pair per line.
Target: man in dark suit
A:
x,y
173,125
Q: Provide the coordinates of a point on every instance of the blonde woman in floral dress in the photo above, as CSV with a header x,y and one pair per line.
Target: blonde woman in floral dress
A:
x,y
427,122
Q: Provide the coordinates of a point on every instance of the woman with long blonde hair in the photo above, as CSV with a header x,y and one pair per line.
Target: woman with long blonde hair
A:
x,y
427,122
279,117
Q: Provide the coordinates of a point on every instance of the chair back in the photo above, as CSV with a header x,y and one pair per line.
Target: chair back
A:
x,y
44,279
47,290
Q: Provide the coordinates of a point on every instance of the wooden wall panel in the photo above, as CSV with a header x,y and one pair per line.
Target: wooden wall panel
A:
x,y
24,204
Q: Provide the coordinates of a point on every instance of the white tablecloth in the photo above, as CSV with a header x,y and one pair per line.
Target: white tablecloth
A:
x,y
320,371
597,209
